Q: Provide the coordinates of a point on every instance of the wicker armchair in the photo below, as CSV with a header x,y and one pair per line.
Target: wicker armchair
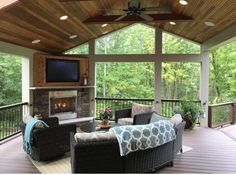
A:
x,y
49,143
139,119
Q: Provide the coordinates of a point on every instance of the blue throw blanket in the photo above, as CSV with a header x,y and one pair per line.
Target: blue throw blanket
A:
x,y
140,137
28,133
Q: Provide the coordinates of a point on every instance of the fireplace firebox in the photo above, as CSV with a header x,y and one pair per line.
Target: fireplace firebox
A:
x,y
63,104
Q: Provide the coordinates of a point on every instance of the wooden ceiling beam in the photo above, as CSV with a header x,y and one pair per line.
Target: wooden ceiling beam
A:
x,y
133,18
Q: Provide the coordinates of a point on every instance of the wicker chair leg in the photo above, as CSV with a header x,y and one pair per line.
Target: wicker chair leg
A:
x,y
171,163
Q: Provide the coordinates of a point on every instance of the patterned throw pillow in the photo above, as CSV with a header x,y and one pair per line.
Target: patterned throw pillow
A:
x,y
156,117
140,108
94,136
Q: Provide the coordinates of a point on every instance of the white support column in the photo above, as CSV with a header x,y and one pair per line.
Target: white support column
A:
x,y
158,67
92,77
204,86
158,86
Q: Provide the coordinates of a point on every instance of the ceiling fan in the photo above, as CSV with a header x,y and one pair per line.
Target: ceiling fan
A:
x,y
134,8
133,11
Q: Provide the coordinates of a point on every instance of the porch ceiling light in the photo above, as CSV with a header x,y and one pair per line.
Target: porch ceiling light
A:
x,y
104,25
73,36
64,17
209,23
183,2
36,41
172,23
5,3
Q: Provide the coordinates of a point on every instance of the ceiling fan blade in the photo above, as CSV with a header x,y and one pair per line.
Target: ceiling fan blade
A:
x,y
121,17
101,19
145,16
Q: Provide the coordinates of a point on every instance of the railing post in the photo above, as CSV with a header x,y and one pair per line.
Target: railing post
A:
x,y
233,112
209,116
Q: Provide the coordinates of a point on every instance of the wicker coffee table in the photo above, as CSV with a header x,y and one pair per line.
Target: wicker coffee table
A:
x,y
96,126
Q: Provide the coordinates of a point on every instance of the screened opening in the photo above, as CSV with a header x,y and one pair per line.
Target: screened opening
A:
x,y
80,50
135,39
118,85
10,79
175,45
180,80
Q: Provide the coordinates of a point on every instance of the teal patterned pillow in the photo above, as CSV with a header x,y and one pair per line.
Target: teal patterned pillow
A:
x,y
156,117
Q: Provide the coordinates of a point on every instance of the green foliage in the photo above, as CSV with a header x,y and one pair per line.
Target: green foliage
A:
x,y
190,111
135,39
80,50
223,74
10,79
180,80
175,45
125,80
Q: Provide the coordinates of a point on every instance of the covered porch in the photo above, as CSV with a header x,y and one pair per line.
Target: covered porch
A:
x,y
212,150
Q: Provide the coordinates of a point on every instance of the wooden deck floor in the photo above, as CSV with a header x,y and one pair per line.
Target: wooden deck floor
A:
x,y
213,152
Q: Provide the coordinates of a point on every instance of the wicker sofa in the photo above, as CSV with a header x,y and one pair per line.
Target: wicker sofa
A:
x,y
145,119
52,142
104,156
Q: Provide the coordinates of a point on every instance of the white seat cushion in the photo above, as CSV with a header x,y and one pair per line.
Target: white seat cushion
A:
x,y
125,121
94,136
176,119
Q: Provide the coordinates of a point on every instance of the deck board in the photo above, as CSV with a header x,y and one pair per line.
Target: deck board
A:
x,y
213,152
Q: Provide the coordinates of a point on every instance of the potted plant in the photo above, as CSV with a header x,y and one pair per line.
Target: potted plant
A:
x,y
105,115
190,112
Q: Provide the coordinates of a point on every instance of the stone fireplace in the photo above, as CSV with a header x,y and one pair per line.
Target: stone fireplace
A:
x,y
64,104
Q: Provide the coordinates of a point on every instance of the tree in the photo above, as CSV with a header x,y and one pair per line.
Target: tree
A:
x,y
10,79
223,74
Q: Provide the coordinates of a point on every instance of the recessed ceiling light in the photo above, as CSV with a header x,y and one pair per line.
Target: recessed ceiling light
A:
x,y
105,32
73,36
64,17
104,25
36,41
172,23
209,23
183,2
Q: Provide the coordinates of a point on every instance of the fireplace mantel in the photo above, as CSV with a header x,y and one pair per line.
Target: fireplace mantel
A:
x,y
61,87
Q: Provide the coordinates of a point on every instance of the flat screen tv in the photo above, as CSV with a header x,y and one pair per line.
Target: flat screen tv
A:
x,y
62,70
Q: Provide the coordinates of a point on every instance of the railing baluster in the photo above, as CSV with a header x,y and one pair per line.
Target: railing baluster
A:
x,y
10,117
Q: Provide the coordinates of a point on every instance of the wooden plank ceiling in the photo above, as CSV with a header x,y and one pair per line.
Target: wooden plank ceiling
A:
x,y
27,20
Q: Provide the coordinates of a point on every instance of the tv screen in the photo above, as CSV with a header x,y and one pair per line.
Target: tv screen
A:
x,y
62,70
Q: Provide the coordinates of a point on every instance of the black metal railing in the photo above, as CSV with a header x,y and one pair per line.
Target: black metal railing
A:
x,y
10,117
221,114
167,106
